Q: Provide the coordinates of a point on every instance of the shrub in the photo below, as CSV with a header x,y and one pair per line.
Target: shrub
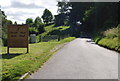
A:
x,y
41,28
110,43
111,33
33,30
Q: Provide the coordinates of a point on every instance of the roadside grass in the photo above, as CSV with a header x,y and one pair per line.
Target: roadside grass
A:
x,y
110,43
18,62
110,39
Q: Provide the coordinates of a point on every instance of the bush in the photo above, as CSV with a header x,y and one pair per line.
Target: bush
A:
x,y
41,28
111,33
97,39
37,39
110,43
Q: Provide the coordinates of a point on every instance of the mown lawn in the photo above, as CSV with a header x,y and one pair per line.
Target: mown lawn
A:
x,y
18,62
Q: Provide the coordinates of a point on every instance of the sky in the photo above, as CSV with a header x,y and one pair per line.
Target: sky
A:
x,y
20,10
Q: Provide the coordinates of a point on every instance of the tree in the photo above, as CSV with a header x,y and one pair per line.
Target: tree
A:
x,y
63,13
93,16
78,10
9,22
37,22
15,22
39,25
29,21
47,16
5,22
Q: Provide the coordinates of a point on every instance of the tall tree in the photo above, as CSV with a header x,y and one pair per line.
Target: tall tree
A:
x,y
63,13
78,10
94,16
47,16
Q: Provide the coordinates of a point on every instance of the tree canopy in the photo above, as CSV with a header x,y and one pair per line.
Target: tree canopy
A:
x,y
29,21
47,16
37,22
91,16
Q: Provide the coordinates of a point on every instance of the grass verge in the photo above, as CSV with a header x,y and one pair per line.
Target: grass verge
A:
x,y
112,44
109,39
18,63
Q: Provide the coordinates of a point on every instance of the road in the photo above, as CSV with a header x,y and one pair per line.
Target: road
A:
x,y
80,59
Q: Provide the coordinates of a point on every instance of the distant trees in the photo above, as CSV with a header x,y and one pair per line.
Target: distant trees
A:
x,y
47,16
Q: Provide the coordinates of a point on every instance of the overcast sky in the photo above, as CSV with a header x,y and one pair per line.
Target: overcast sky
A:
x,y
20,10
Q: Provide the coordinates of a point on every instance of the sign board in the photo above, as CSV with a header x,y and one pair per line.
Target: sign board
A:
x,y
17,36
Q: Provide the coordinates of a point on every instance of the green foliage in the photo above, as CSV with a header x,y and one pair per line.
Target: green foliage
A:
x,y
67,39
38,39
37,22
9,22
111,33
47,16
29,21
54,33
41,28
118,26
102,16
97,39
36,27
87,14
33,30
63,13
15,22
5,22
110,43
110,39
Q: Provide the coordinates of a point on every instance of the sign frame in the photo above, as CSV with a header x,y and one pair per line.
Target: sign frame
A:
x,y
18,36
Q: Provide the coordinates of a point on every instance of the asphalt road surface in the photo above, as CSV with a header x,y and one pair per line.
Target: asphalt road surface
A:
x,y
80,59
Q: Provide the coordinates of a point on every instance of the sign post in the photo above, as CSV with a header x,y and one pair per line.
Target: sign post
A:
x,y
18,37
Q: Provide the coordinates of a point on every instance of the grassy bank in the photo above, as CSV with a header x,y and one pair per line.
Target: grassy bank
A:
x,y
54,33
109,39
18,63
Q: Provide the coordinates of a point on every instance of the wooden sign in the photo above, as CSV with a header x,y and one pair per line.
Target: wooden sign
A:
x,y
18,36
